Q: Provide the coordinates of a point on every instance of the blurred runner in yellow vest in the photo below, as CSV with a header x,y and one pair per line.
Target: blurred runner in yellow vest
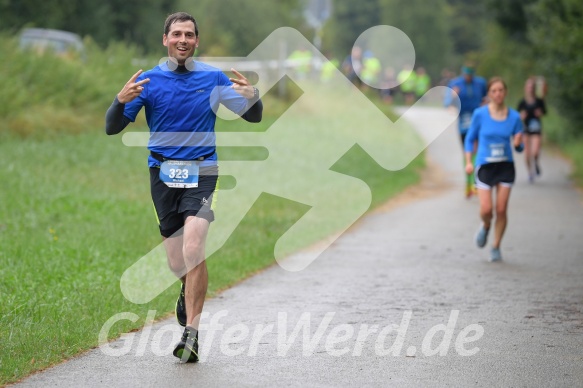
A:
x,y
371,69
407,79
422,82
328,68
302,59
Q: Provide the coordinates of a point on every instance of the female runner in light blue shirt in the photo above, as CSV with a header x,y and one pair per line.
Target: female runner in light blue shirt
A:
x,y
496,128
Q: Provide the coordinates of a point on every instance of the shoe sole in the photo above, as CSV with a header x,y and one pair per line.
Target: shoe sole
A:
x,y
192,355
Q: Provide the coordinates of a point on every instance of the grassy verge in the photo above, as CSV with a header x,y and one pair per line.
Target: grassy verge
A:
x,y
76,212
574,151
572,148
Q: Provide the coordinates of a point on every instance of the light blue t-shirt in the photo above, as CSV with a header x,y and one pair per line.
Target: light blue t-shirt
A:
x,y
180,111
493,136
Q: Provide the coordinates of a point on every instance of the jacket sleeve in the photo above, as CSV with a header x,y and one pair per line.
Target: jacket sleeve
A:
x,y
115,121
255,113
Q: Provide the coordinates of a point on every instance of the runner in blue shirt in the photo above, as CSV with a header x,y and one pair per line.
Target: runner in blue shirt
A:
x,y
493,126
180,98
471,90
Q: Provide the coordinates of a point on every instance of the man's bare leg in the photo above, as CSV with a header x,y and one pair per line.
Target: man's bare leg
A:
x,y
196,278
186,259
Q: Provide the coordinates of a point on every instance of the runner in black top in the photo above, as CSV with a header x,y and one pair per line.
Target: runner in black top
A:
x,y
531,110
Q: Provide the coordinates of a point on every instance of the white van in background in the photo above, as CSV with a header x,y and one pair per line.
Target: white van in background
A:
x,y
62,43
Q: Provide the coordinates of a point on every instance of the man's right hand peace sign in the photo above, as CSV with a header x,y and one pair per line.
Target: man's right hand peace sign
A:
x,y
132,89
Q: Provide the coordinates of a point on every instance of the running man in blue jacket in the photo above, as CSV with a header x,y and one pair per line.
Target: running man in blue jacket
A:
x,y
181,97
471,90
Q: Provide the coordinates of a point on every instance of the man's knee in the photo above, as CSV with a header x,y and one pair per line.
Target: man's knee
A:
x,y
193,253
176,264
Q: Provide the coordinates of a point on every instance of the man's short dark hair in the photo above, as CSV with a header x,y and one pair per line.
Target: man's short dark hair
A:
x,y
177,18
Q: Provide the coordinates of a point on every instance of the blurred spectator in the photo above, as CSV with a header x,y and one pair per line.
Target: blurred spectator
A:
x,y
371,69
422,82
407,79
388,83
446,76
302,58
352,65
328,68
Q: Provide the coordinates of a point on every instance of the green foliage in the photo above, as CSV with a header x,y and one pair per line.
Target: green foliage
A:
x,y
349,20
556,33
507,58
235,27
574,151
105,21
541,37
427,28
556,130
511,15
467,20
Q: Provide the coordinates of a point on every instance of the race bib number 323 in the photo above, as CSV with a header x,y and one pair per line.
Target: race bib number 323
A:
x,y
179,173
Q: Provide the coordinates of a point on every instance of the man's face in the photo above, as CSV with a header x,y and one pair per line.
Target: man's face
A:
x,y
181,41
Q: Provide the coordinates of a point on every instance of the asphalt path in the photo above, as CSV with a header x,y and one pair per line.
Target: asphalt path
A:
x,y
404,298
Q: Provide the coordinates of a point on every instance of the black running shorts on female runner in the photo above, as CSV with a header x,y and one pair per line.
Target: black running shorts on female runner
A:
x,y
173,205
491,174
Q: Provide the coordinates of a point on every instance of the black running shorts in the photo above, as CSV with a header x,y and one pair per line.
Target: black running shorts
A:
x,y
491,174
173,205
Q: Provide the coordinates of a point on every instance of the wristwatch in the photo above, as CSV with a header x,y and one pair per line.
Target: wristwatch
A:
x,y
255,94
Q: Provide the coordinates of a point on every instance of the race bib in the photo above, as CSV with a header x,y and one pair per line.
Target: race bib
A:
x,y
497,153
465,121
181,174
534,125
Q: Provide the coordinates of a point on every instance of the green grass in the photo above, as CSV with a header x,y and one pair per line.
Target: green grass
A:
x,y
75,212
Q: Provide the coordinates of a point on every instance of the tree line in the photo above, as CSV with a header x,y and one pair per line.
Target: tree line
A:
x,y
135,22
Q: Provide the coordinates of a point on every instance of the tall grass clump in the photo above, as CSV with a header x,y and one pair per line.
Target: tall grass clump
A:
x,y
44,94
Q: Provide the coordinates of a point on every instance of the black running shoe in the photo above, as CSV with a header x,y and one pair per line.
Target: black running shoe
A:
x,y
180,309
537,169
187,349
